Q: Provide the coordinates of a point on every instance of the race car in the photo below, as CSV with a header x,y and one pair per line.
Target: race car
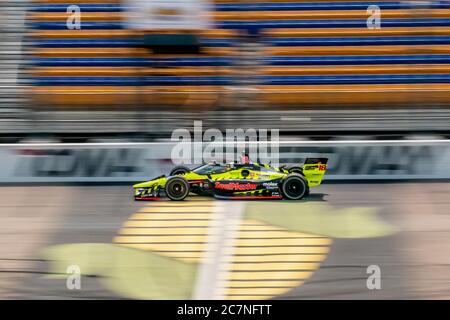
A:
x,y
236,181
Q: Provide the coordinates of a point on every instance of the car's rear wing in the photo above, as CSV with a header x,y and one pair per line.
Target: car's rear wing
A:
x,y
316,161
314,169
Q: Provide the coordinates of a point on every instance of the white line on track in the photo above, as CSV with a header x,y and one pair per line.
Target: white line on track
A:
x,y
223,229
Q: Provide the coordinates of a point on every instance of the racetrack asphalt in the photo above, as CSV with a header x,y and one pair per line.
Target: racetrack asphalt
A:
x,y
413,259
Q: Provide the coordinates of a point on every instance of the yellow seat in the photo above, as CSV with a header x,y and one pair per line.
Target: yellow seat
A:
x,y
357,50
327,14
357,96
357,69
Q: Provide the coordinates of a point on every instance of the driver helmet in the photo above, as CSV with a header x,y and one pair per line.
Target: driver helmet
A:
x,y
245,159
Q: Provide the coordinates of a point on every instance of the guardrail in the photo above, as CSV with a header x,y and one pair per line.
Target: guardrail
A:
x,y
127,162
13,98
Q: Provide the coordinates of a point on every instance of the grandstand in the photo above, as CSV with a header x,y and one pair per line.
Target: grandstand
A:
x,y
311,56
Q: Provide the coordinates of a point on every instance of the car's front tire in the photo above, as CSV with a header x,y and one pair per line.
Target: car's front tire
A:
x,y
177,188
294,187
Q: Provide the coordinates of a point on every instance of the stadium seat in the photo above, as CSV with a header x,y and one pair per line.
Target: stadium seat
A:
x,y
315,53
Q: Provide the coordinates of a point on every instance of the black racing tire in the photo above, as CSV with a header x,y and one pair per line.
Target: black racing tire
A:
x,y
295,169
294,187
179,170
177,188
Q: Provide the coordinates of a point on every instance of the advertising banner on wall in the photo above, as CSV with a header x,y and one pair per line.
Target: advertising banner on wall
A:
x,y
359,160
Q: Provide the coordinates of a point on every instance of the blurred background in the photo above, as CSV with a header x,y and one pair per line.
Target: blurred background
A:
x,y
137,69
76,71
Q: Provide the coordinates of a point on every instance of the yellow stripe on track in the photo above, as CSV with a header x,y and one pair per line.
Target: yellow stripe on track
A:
x,y
273,266
178,228
244,284
280,275
170,216
254,291
160,239
277,258
168,247
283,242
268,250
261,262
190,209
249,297
167,223
184,255
194,200
163,231
274,234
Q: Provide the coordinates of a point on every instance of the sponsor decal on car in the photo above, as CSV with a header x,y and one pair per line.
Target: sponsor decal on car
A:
x,y
270,185
235,186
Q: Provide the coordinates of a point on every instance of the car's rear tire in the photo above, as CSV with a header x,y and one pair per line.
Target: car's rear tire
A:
x,y
179,170
295,169
294,187
177,188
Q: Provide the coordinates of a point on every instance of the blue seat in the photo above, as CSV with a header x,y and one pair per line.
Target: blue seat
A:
x,y
84,7
358,41
257,25
91,25
114,43
332,5
130,62
356,79
132,81
225,80
338,23
82,74
356,60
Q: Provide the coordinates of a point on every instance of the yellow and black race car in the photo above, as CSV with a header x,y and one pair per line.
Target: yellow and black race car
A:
x,y
236,181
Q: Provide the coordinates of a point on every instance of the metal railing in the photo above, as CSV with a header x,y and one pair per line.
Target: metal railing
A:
x,y
13,102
